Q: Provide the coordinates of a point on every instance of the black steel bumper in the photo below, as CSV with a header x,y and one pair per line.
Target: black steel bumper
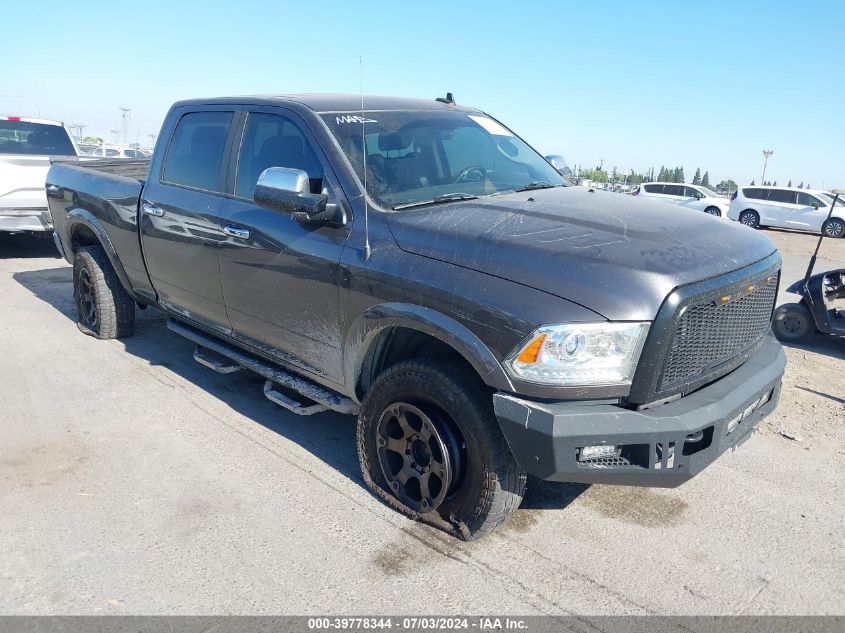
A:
x,y
663,446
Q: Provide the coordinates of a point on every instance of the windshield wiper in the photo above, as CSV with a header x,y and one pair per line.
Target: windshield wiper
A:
x,y
447,197
537,184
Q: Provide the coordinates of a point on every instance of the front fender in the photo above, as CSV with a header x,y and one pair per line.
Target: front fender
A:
x,y
379,317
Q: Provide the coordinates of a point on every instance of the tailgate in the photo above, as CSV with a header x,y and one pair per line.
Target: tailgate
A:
x,y
22,181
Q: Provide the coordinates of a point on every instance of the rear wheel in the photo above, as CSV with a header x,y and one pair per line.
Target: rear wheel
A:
x,y
792,322
104,307
429,440
750,219
834,227
713,211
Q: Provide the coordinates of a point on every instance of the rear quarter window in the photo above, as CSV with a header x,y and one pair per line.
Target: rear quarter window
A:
x,y
653,188
756,194
195,154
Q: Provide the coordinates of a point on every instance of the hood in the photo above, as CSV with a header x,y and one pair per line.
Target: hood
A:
x,y
617,255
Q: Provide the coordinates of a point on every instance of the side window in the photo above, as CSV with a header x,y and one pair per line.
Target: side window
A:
x,y
195,154
756,194
271,140
112,152
782,195
673,190
805,199
692,192
653,188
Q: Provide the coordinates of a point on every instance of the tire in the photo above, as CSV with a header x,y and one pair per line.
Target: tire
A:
x,y
792,322
713,211
750,218
834,227
449,411
105,309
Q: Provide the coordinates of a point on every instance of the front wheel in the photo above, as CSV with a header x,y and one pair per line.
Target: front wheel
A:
x,y
713,211
429,440
834,227
750,219
792,322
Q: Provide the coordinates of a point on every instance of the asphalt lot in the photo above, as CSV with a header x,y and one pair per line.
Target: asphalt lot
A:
x,y
134,481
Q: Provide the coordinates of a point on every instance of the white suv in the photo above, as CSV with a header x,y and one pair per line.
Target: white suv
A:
x,y
693,197
788,208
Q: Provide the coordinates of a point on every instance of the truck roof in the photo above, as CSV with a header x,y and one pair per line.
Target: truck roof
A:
x,y
319,102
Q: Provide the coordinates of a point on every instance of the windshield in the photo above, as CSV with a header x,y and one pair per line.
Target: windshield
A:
x,y
829,200
431,156
20,137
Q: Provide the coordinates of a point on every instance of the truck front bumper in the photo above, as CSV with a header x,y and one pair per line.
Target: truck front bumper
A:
x,y
662,447
24,220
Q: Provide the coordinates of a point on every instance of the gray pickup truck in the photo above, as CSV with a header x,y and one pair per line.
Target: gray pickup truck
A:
x,y
418,264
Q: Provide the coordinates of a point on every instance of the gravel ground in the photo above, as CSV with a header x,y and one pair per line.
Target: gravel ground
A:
x,y
134,481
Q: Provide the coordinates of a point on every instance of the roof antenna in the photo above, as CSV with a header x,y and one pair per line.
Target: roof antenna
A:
x,y
448,99
364,149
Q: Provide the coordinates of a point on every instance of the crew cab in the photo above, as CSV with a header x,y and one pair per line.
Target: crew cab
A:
x,y
418,264
26,146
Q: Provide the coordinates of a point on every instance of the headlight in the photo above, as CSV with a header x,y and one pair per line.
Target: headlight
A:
x,y
580,354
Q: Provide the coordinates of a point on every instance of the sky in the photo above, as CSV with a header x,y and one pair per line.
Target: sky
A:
x,y
633,85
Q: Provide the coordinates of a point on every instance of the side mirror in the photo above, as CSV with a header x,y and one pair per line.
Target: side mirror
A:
x,y
289,191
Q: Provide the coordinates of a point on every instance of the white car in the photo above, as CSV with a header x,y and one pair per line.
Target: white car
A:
x,y
693,197
26,146
116,151
788,208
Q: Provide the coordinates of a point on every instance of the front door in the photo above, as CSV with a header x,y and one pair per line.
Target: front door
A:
x,y
279,276
180,219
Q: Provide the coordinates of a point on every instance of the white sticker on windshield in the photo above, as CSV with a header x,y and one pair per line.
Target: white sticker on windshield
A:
x,y
490,125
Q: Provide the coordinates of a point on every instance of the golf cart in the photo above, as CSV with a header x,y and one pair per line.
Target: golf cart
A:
x,y
816,310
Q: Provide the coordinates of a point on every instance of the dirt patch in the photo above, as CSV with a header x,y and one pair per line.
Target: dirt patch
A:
x,y
640,506
522,521
45,464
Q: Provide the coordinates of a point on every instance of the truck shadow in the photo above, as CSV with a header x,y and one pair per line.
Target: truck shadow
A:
x,y
832,346
26,246
328,436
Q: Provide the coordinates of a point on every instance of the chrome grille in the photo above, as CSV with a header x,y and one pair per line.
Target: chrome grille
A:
x,y
710,333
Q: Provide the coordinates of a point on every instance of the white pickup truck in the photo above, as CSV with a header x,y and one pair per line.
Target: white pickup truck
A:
x,y
26,146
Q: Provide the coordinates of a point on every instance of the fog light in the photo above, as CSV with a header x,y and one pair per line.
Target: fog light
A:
x,y
596,452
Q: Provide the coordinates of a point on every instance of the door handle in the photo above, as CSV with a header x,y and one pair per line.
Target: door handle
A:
x,y
236,231
150,209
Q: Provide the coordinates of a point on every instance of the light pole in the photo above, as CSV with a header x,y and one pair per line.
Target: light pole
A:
x,y
766,154
116,136
125,114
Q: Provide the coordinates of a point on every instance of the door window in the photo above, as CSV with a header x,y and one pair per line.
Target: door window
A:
x,y
691,192
782,196
271,140
195,155
806,200
673,190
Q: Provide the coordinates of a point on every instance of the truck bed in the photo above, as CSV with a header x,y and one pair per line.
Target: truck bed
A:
x,y
137,168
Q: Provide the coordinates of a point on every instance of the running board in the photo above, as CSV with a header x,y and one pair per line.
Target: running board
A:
x,y
317,398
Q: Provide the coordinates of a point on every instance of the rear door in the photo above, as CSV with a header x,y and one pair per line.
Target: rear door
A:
x,y
278,274
180,215
782,210
674,193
